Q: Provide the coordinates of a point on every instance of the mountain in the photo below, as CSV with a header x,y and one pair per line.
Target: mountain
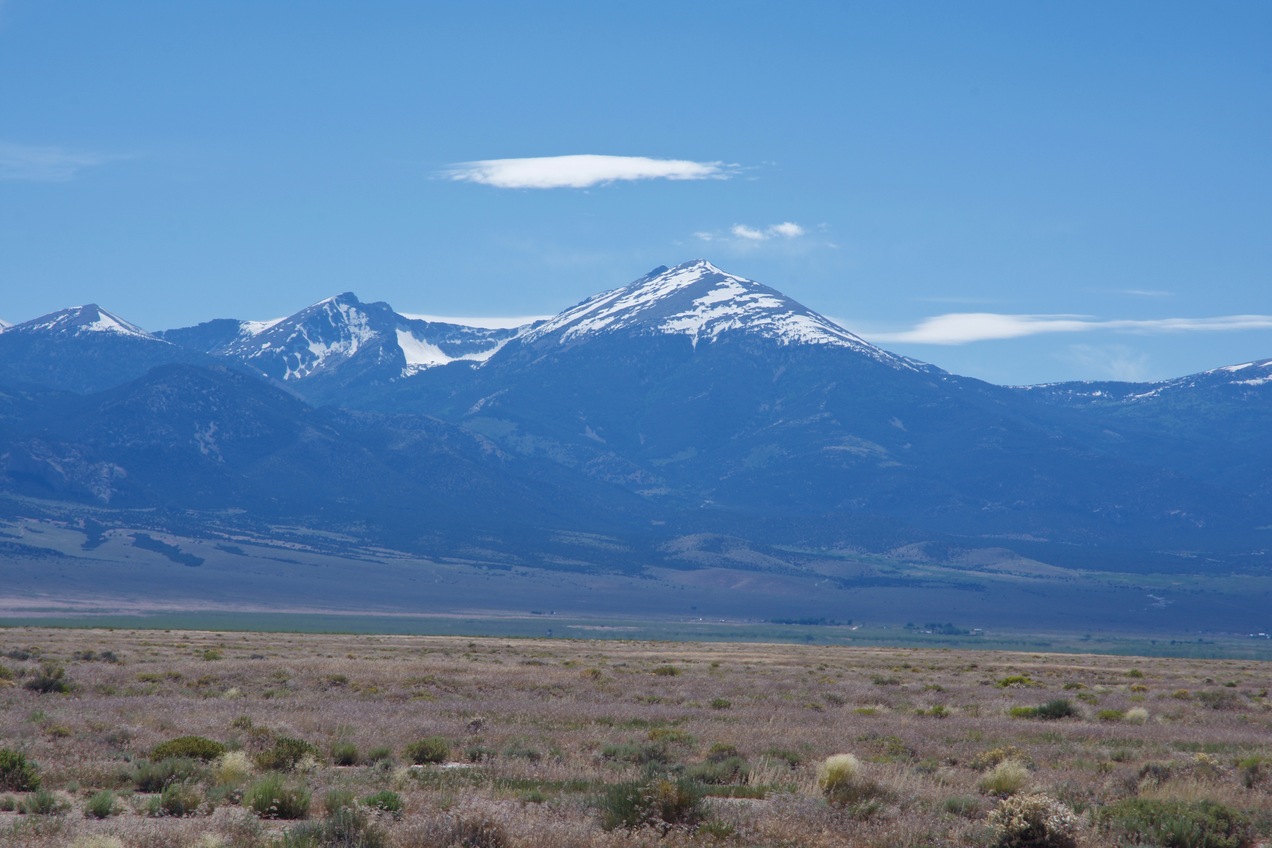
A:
x,y
731,403
340,344
699,301
1211,427
690,422
221,442
83,349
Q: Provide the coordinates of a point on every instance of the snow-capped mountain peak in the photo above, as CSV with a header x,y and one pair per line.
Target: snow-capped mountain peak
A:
x,y
343,329
329,332
699,300
80,320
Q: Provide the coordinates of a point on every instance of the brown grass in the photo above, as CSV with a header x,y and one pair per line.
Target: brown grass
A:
x,y
538,715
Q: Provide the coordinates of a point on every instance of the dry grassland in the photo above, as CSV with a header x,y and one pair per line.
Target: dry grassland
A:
x,y
538,731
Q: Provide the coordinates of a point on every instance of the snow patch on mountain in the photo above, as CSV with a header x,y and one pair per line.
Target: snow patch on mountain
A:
x,y
1264,366
255,328
419,353
422,354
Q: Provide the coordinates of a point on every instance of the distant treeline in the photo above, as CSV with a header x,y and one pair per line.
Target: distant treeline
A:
x,y
149,543
810,621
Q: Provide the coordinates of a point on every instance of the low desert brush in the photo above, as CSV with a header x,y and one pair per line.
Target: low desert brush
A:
x,y
271,798
1006,778
17,773
1033,821
1175,824
432,749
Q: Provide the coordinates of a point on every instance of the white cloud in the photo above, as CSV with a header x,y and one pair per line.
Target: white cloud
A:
x,y
742,231
745,234
787,229
44,164
581,171
965,327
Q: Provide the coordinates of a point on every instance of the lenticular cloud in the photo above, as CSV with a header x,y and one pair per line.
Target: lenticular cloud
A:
x,y
580,171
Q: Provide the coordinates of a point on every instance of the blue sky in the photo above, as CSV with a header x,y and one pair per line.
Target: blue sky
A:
x,y
1021,192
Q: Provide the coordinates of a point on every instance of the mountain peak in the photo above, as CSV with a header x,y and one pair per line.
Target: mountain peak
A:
x,y
79,320
699,300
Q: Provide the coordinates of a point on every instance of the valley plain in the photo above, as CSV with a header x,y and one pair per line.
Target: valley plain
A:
x,y
533,742
64,571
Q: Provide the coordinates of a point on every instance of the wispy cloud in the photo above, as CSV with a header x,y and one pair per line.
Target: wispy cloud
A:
x,y
1144,293
1117,361
44,164
743,233
965,327
581,171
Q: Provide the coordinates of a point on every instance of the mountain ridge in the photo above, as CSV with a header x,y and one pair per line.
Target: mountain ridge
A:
x,y
688,405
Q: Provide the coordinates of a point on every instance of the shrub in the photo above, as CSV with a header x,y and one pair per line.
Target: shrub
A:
x,y
844,783
344,754
1050,711
1006,778
963,806
637,753
994,756
42,802
386,802
1135,715
337,798
177,800
1110,715
663,803
231,768
1253,770
721,703
520,751
8,803
17,773
285,754
51,678
838,770
1175,824
720,770
101,805
157,776
1017,681
478,753
462,831
270,798
1057,709
1220,699
667,671
381,754
349,826
194,747
1033,821
432,749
